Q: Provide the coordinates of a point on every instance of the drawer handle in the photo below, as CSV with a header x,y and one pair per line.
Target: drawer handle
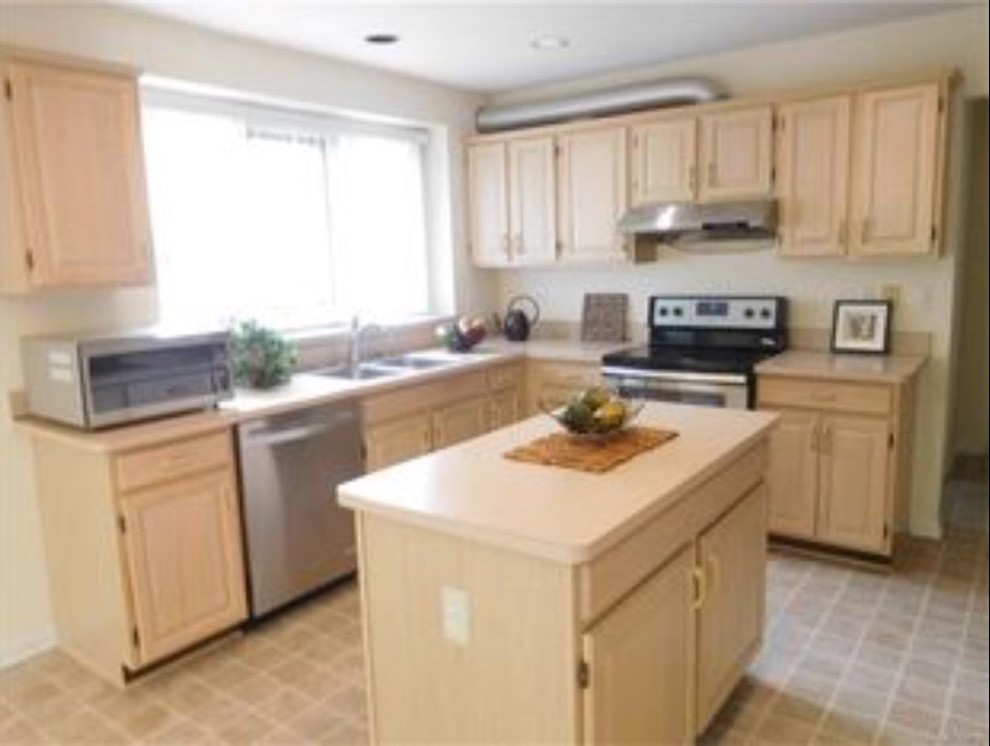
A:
x,y
699,589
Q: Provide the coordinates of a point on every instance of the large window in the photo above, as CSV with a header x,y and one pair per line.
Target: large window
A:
x,y
288,219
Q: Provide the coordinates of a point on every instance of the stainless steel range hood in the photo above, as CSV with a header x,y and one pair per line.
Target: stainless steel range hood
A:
x,y
687,224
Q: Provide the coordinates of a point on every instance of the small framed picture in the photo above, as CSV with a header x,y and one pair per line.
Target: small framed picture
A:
x,y
861,326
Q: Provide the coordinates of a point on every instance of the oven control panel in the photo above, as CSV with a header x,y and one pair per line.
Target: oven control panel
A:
x,y
734,312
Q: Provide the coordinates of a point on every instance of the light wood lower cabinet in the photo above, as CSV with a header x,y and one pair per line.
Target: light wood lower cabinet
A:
x,y
732,559
183,549
840,461
142,564
552,384
413,421
641,664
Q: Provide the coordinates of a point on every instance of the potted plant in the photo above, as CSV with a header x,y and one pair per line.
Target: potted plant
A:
x,y
262,358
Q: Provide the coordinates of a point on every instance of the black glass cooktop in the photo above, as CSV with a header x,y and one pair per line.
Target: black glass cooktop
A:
x,y
686,359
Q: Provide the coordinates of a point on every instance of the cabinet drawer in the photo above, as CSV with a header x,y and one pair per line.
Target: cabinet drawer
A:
x,y
505,377
832,395
163,463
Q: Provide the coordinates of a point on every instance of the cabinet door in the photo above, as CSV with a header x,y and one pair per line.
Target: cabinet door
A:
x,y
503,408
895,161
488,209
397,441
664,161
737,154
460,422
532,201
793,474
854,457
814,177
184,554
77,145
730,626
640,660
551,385
591,185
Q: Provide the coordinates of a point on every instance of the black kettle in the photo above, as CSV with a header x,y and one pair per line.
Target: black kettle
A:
x,y
518,324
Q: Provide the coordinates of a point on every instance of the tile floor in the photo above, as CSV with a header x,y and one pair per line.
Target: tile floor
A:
x,y
851,656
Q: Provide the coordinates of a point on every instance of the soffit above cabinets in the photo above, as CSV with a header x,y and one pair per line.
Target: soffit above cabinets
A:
x,y
490,46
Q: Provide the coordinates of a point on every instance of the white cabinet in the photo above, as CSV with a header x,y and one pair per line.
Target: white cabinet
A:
x,y
532,201
737,154
664,161
488,211
592,197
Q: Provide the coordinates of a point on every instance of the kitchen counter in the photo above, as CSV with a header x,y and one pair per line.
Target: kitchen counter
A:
x,y
894,369
546,605
567,516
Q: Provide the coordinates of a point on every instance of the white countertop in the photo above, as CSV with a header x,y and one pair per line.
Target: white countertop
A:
x,y
564,350
560,514
845,367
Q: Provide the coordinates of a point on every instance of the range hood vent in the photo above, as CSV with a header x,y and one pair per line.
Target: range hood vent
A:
x,y
688,225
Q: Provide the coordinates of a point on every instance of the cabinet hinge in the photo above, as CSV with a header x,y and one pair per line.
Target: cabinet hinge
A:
x,y
941,104
934,233
122,524
890,440
8,89
886,530
135,637
29,260
583,674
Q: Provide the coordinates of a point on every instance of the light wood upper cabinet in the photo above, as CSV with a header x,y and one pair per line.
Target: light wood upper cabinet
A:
x,y
532,201
896,157
488,209
732,556
641,663
853,481
813,180
74,179
184,556
737,154
793,473
591,185
664,161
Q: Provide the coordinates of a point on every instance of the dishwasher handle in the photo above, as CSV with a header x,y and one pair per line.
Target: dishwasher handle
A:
x,y
284,436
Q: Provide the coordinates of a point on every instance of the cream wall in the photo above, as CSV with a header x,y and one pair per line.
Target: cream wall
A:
x,y
176,51
973,375
957,39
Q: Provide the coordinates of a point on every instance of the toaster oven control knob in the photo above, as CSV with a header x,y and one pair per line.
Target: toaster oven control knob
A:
x,y
765,313
748,313
663,310
678,311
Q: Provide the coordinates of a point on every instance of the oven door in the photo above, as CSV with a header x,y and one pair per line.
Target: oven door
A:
x,y
729,390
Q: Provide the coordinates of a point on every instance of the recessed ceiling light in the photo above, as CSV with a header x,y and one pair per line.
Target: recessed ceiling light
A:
x,y
549,43
382,39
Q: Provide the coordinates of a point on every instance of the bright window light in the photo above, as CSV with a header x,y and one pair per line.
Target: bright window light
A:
x,y
293,226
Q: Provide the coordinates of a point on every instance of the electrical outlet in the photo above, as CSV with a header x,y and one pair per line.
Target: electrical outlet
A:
x,y
455,615
892,292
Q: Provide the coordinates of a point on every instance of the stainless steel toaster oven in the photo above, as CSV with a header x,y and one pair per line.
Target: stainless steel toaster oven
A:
x,y
97,381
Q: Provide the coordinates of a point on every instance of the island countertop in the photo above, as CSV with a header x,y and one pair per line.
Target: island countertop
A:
x,y
567,516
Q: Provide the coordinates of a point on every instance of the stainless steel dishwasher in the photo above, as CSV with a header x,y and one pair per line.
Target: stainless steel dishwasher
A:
x,y
298,537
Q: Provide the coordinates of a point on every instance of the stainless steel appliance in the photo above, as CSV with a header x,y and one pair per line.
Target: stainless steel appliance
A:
x,y
298,537
97,381
702,350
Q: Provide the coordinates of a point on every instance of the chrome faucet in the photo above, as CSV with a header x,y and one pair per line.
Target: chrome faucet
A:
x,y
358,331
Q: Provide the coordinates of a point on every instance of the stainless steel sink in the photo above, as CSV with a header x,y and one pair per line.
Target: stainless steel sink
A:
x,y
413,362
364,372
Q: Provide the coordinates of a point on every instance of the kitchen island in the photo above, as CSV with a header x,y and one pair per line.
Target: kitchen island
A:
x,y
511,602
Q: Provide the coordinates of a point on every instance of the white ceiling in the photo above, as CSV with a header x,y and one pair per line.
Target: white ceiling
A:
x,y
486,46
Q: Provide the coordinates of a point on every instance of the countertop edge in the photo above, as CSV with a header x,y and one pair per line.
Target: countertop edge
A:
x,y
788,368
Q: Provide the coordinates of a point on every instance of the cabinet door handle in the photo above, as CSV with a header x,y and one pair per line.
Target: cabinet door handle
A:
x,y
864,231
843,232
692,178
700,592
825,440
518,243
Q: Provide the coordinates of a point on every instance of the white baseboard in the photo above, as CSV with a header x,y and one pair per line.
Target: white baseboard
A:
x,y
13,652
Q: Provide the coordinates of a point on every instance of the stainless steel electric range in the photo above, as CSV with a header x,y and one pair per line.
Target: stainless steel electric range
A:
x,y
702,350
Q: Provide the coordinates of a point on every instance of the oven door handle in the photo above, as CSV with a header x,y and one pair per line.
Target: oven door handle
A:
x,y
646,376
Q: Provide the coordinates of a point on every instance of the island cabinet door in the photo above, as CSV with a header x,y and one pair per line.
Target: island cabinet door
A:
x,y
732,556
793,473
853,481
460,422
640,660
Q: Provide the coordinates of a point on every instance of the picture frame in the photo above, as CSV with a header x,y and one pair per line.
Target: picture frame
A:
x,y
861,326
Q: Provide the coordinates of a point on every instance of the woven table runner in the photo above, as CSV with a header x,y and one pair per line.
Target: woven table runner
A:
x,y
597,456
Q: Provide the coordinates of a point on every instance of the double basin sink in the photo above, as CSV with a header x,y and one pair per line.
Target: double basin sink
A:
x,y
386,367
